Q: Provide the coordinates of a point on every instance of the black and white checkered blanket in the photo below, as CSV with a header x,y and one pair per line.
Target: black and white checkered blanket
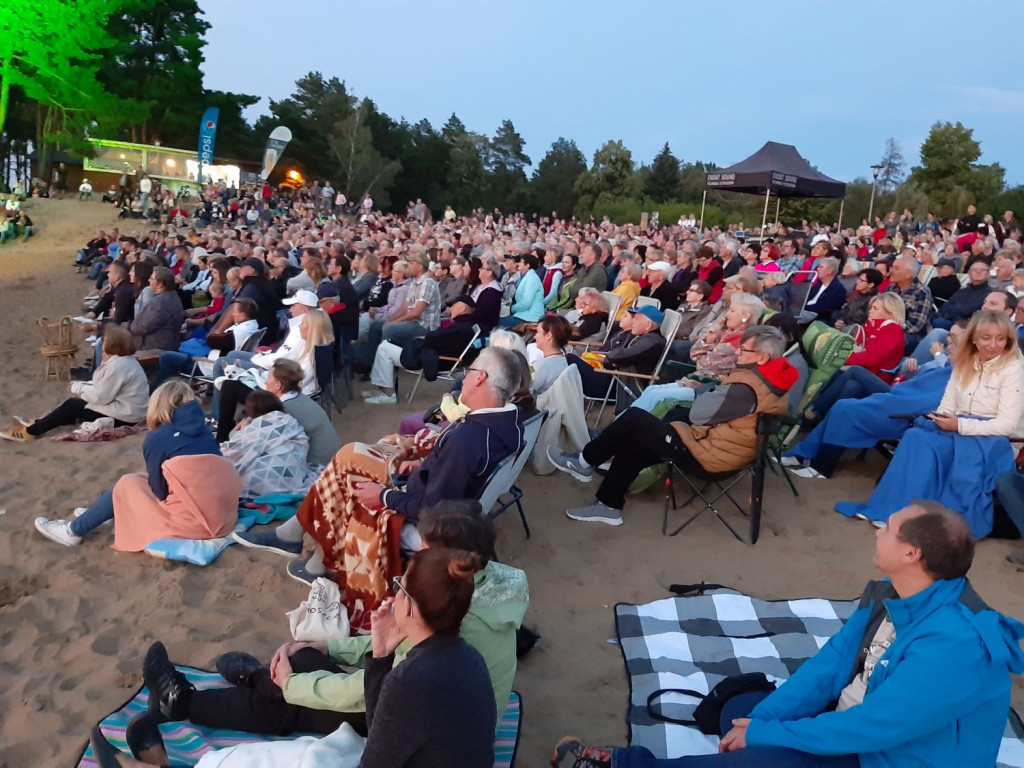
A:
x,y
694,642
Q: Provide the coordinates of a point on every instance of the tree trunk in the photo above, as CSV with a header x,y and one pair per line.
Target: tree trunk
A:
x,y
5,90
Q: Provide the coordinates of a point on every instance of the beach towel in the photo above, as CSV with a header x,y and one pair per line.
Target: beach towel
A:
x,y
260,511
695,642
99,435
186,743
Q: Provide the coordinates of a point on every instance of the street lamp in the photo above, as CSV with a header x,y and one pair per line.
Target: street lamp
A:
x,y
875,170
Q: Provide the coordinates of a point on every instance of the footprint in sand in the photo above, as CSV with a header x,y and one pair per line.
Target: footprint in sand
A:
x,y
106,645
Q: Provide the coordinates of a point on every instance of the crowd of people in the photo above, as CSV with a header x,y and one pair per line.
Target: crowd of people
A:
x,y
232,305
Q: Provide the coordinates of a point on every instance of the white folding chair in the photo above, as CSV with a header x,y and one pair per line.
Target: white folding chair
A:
x,y
669,326
502,481
448,375
251,344
647,301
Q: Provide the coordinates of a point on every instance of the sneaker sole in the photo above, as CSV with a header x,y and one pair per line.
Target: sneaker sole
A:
x,y
296,577
614,521
266,547
12,438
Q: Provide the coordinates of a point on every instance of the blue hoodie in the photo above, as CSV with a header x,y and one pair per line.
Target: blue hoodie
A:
x,y
186,435
939,696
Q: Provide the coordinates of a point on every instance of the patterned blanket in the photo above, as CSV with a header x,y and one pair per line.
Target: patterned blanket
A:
x,y
186,743
695,642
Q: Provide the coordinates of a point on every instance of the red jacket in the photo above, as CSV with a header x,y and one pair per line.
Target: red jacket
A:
x,y
883,348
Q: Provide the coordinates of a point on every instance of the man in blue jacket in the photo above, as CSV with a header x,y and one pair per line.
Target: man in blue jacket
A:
x,y
919,675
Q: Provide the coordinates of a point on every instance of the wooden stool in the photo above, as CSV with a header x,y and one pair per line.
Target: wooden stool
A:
x,y
59,348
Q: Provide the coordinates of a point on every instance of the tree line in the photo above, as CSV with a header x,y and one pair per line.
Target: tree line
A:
x,y
132,70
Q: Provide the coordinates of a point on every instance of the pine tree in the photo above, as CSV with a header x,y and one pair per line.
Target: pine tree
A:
x,y
662,183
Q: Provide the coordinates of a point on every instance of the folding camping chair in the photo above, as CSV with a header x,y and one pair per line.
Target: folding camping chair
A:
x,y
614,302
646,301
251,344
723,483
448,375
502,481
626,379
327,394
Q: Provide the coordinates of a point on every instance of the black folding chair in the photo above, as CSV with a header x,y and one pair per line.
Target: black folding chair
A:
x,y
722,485
327,395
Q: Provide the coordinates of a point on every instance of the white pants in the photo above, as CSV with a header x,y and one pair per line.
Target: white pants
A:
x,y
387,359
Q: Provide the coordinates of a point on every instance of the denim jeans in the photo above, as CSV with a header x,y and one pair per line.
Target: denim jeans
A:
x,y
855,382
923,351
657,393
101,511
750,757
172,364
97,267
1010,490
399,333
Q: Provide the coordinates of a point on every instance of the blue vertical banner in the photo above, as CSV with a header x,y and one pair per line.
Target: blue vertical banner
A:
x,y
207,138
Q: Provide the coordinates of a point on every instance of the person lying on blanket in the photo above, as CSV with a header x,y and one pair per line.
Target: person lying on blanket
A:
x,y
919,675
354,511
435,708
719,435
305,689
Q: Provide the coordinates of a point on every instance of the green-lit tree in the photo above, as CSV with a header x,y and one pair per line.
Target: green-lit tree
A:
x,y
552,185
662,179
53,51
467,179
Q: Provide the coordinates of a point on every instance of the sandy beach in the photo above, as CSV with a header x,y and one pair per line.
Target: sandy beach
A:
x,y
75,623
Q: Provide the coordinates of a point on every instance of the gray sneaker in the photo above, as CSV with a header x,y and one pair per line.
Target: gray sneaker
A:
x,y
596,513
570,464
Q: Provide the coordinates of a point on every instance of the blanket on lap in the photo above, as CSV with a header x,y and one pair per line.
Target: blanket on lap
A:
x,y
695,642
187,743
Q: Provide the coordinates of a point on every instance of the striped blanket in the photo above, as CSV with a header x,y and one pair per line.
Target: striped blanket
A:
x,y
187,743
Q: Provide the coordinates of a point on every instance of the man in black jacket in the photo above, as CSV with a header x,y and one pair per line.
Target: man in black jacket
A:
x,y
255,286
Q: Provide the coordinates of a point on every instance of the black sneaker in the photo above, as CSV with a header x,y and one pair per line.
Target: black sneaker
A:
x,y
143,733
166,684
237,667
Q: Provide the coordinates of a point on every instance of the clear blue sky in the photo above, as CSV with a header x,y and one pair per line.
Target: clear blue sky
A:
x,y
715,79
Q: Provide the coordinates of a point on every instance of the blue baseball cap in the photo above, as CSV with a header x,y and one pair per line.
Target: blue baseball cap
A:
x,y
651,313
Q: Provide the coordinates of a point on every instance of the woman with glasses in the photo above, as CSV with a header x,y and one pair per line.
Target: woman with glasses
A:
x,y
855,310
306,687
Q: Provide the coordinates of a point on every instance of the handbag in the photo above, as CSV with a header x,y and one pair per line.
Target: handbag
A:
x,y
708,712
321,616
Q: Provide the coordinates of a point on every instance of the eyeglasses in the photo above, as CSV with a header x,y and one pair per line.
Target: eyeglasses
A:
x,y
747,349
477,370
397,586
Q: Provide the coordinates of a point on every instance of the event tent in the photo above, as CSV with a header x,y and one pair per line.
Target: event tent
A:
x,y
777,168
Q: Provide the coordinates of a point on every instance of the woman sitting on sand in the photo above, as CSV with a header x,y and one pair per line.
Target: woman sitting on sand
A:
x,y
435,708
118,390
268,449
306,688
188,492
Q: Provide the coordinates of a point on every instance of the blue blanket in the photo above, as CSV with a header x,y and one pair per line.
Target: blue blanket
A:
x,y
862,423
957,470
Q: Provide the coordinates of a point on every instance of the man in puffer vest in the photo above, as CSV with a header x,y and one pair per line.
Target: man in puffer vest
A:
x,y
720,435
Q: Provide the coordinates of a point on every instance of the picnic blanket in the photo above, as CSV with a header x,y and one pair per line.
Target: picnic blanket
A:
x,y
99,434
694,642
186,743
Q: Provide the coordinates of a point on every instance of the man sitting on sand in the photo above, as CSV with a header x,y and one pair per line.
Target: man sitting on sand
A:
x,y
919,675
719,435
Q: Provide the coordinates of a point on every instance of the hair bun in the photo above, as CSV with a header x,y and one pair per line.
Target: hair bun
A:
x,y
464,565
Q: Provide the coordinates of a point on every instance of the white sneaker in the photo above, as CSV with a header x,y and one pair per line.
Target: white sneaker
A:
x,y
90,339
79,511
789,461
58,530
382,399
24,422
366,394
808,472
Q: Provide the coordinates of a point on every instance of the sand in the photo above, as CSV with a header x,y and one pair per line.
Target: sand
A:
x,y
75,623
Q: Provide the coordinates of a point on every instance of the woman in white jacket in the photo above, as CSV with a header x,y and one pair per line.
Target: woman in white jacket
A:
x,y
955,454
118,390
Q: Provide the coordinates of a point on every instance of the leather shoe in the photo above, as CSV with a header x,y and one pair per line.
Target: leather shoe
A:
x,y
237,667
166,684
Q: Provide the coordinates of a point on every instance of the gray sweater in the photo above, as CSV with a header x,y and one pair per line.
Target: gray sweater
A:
x,y
158,325
118,389
323,440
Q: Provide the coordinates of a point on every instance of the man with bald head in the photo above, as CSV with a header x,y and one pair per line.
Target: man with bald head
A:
x,y
918,675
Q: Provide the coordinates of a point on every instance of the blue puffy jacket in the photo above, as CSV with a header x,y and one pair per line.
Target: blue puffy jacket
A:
x,y
529,302
939,696
186,435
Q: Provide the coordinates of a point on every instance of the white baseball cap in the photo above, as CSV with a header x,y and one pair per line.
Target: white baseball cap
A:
x,y
308,298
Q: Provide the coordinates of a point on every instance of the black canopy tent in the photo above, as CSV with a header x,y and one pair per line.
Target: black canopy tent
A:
x,y
777,168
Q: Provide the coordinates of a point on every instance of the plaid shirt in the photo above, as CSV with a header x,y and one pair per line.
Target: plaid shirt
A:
x,y
791,263
918,301
424,288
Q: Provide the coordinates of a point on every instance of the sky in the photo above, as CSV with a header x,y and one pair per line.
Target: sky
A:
x,y
715,79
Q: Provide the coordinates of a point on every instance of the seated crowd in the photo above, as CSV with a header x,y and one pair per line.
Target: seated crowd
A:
x,y
210,326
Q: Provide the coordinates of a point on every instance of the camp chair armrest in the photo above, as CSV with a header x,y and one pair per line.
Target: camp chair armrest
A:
x,y
611,372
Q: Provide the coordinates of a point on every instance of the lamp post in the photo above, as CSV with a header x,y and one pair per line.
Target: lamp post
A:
x,y
875,170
